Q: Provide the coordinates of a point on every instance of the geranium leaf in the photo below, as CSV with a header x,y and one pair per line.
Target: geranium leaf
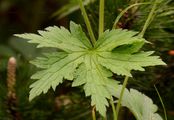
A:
x,y
115,38
56,37
77,32
95,79
116,51
122,63
54,71
139,104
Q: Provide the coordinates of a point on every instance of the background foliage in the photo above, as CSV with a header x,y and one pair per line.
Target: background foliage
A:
x,y
19,16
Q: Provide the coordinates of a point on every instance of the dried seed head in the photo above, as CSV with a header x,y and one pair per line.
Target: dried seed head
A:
x,y
11,75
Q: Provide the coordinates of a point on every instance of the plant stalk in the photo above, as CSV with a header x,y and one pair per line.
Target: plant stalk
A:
x,y
165,114
149,19
87,22
121,96
125,10
93,113
113,109
101,17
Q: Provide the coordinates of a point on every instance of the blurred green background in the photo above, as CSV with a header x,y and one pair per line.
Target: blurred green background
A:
x,y
66,103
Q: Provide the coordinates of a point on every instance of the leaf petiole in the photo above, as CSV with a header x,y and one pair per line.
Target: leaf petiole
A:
x,y
87,22
125,10
93,113
101,17
149,19
113,109
121,96
162,103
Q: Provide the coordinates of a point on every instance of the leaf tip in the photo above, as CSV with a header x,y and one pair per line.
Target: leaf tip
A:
x,y
31,96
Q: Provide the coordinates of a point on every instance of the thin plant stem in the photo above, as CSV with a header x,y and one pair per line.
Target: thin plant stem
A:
x,y
93,113
115,112
101,17
162,103
87,22
121,96
125,10
113,109
149,19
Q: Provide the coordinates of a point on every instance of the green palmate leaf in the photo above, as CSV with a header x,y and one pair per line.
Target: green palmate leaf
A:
x,y
56,37
96,78
122,63
118,52
54,71
139,104
115,51
115,38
